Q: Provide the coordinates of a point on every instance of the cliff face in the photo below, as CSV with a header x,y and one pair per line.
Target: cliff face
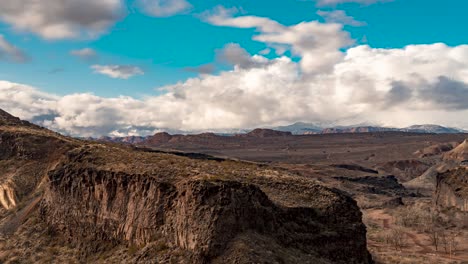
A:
x,y
96,207
452,189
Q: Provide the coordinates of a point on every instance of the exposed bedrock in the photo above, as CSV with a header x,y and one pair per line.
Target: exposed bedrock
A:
x,y
452,189
96,208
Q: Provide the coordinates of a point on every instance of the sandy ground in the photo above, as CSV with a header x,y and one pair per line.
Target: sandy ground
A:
x,y
417,249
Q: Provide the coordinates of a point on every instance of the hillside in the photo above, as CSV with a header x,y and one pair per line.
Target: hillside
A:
x,y
102,201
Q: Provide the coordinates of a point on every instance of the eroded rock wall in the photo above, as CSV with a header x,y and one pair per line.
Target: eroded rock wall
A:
x,y
96,209
452,189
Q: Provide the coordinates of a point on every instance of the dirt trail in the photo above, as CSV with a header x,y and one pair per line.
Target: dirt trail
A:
x,y
12,224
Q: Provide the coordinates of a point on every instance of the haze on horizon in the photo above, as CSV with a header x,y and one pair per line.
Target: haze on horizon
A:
x,y
115,67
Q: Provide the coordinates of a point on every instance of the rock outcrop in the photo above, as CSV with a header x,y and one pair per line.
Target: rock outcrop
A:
x,y
436,149
97,205
452,189
458,154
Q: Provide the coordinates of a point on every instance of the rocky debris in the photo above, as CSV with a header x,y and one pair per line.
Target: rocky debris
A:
x,y
436,149
458,154
404,170
452,189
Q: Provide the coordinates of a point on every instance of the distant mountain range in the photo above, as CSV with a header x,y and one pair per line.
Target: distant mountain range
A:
x,y
299,128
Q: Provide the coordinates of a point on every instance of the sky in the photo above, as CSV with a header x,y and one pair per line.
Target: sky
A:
x,y
133,67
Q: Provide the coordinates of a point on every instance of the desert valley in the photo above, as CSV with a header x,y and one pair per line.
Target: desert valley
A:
x,y
233,132
262,197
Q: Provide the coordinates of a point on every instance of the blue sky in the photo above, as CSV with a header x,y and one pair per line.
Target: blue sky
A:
x,y
115,67
164,47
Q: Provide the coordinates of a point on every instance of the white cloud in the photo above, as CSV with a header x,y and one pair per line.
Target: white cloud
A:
x,y
118,71
25,101
10,52
62,19
317,44
395,87
163,8
340,16
234,54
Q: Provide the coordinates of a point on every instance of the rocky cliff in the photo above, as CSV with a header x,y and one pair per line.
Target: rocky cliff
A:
x,y
97,202
452,189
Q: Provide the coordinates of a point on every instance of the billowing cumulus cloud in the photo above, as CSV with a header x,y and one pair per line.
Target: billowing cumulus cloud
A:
x,y
163,8
118,71
62,19
317,44
10,52
394,87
